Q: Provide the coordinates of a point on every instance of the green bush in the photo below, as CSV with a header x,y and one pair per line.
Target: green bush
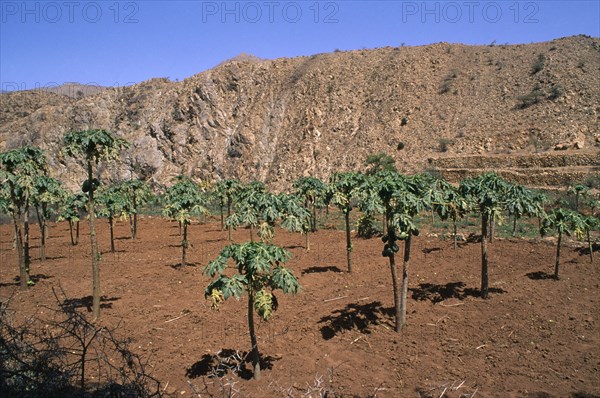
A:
x,y
539,64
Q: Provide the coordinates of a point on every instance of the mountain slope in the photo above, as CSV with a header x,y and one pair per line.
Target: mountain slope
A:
x,y
276,120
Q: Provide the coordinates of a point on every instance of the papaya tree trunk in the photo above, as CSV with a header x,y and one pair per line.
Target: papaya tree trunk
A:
x,y
314,218
42,226
491,230
71,232
405,266
251,234
95,254
26,254
454,231
397,306
306,241
23,276
135,211
484,256
557,264
111,228
184,246
131,226
590,246
348,242
222,215
229,215
255,355
514,229
77,233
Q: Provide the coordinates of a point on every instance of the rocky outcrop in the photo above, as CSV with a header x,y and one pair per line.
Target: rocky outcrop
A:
x,y
277,120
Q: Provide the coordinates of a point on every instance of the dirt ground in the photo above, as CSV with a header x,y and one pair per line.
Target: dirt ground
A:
x,y
534,337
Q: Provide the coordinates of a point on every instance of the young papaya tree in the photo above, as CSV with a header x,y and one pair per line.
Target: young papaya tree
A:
x,y
312,190
71,209
257,272
47,194
486,193
183,201
579,191
588,224
252,205
522,202
452,206
562,222
370,204
19,169
294,216
137,193
226,191
93,146
343,187
112,203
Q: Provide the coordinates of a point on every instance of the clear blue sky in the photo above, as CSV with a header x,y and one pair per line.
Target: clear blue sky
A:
x,y
117,43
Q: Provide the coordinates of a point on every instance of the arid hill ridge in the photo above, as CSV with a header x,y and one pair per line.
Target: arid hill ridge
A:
x,y
275,120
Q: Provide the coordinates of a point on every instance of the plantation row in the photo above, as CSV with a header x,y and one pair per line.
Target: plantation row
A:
x,y
380,192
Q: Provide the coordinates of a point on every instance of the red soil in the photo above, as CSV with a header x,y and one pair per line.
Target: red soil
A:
x,y
534,337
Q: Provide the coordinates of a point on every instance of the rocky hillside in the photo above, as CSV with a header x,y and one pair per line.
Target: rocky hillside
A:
x,y
275,120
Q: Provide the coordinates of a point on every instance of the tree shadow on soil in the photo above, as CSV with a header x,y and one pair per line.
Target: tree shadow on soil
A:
x,y
34,278
227,361
539,275
87,301
354,316
318,270
438,293
54,257
179,266
585,251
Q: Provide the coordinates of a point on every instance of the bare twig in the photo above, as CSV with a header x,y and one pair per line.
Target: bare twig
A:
x,y
335,298
178,317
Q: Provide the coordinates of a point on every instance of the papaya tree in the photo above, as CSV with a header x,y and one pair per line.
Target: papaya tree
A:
x,y
343,187
47,194
295,217
486,193
137,193
388,184
562,222
253,204
588,224
93,146
19,169
112,203
257,272
226,191
407,202
520,202
71,209
370,205
312,190
183,201
451,206
579,191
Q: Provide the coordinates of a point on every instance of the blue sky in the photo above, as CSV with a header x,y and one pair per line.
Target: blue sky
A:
x,y
117,43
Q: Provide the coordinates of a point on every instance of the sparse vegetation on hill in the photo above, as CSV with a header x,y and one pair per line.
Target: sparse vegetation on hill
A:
x,y
276,120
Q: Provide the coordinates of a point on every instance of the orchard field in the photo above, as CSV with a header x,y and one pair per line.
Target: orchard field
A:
x,y
533,337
